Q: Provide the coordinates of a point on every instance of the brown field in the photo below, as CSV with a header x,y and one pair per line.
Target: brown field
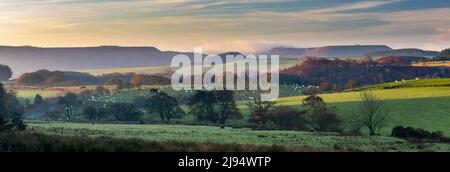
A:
x,y
432,64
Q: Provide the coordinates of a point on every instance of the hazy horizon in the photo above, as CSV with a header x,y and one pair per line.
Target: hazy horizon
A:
x,y
222,26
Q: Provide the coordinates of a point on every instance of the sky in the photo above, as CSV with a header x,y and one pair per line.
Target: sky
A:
x,y
219,26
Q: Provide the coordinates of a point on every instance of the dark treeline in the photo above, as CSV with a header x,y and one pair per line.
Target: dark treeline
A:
x,y
316,71
63,78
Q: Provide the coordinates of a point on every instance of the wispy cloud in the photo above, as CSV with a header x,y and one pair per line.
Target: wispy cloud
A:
x,y
224,25
353,6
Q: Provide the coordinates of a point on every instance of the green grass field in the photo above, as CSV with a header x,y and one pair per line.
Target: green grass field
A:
x,y
234,136
424,107
383,94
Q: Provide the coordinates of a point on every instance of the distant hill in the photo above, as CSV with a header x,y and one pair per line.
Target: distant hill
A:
x,y
403,52
70,78
29,59
320,70
55,78
328,51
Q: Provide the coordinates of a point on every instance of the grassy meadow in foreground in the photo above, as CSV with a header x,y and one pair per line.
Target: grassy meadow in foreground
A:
x,y
215,134
38,142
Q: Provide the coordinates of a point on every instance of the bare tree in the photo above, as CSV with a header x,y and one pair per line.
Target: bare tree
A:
x,y
373,112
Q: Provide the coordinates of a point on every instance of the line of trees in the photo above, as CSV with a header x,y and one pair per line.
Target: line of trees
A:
x,y
219,106
210,106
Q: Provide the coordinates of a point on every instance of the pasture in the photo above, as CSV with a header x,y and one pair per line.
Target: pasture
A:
x,y
423,107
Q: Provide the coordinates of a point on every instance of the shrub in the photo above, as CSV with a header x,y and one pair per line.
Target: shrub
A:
x,y
288,118
417,133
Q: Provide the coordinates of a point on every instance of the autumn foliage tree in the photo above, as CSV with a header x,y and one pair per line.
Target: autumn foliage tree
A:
x,y
137,81
325,87
393,61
